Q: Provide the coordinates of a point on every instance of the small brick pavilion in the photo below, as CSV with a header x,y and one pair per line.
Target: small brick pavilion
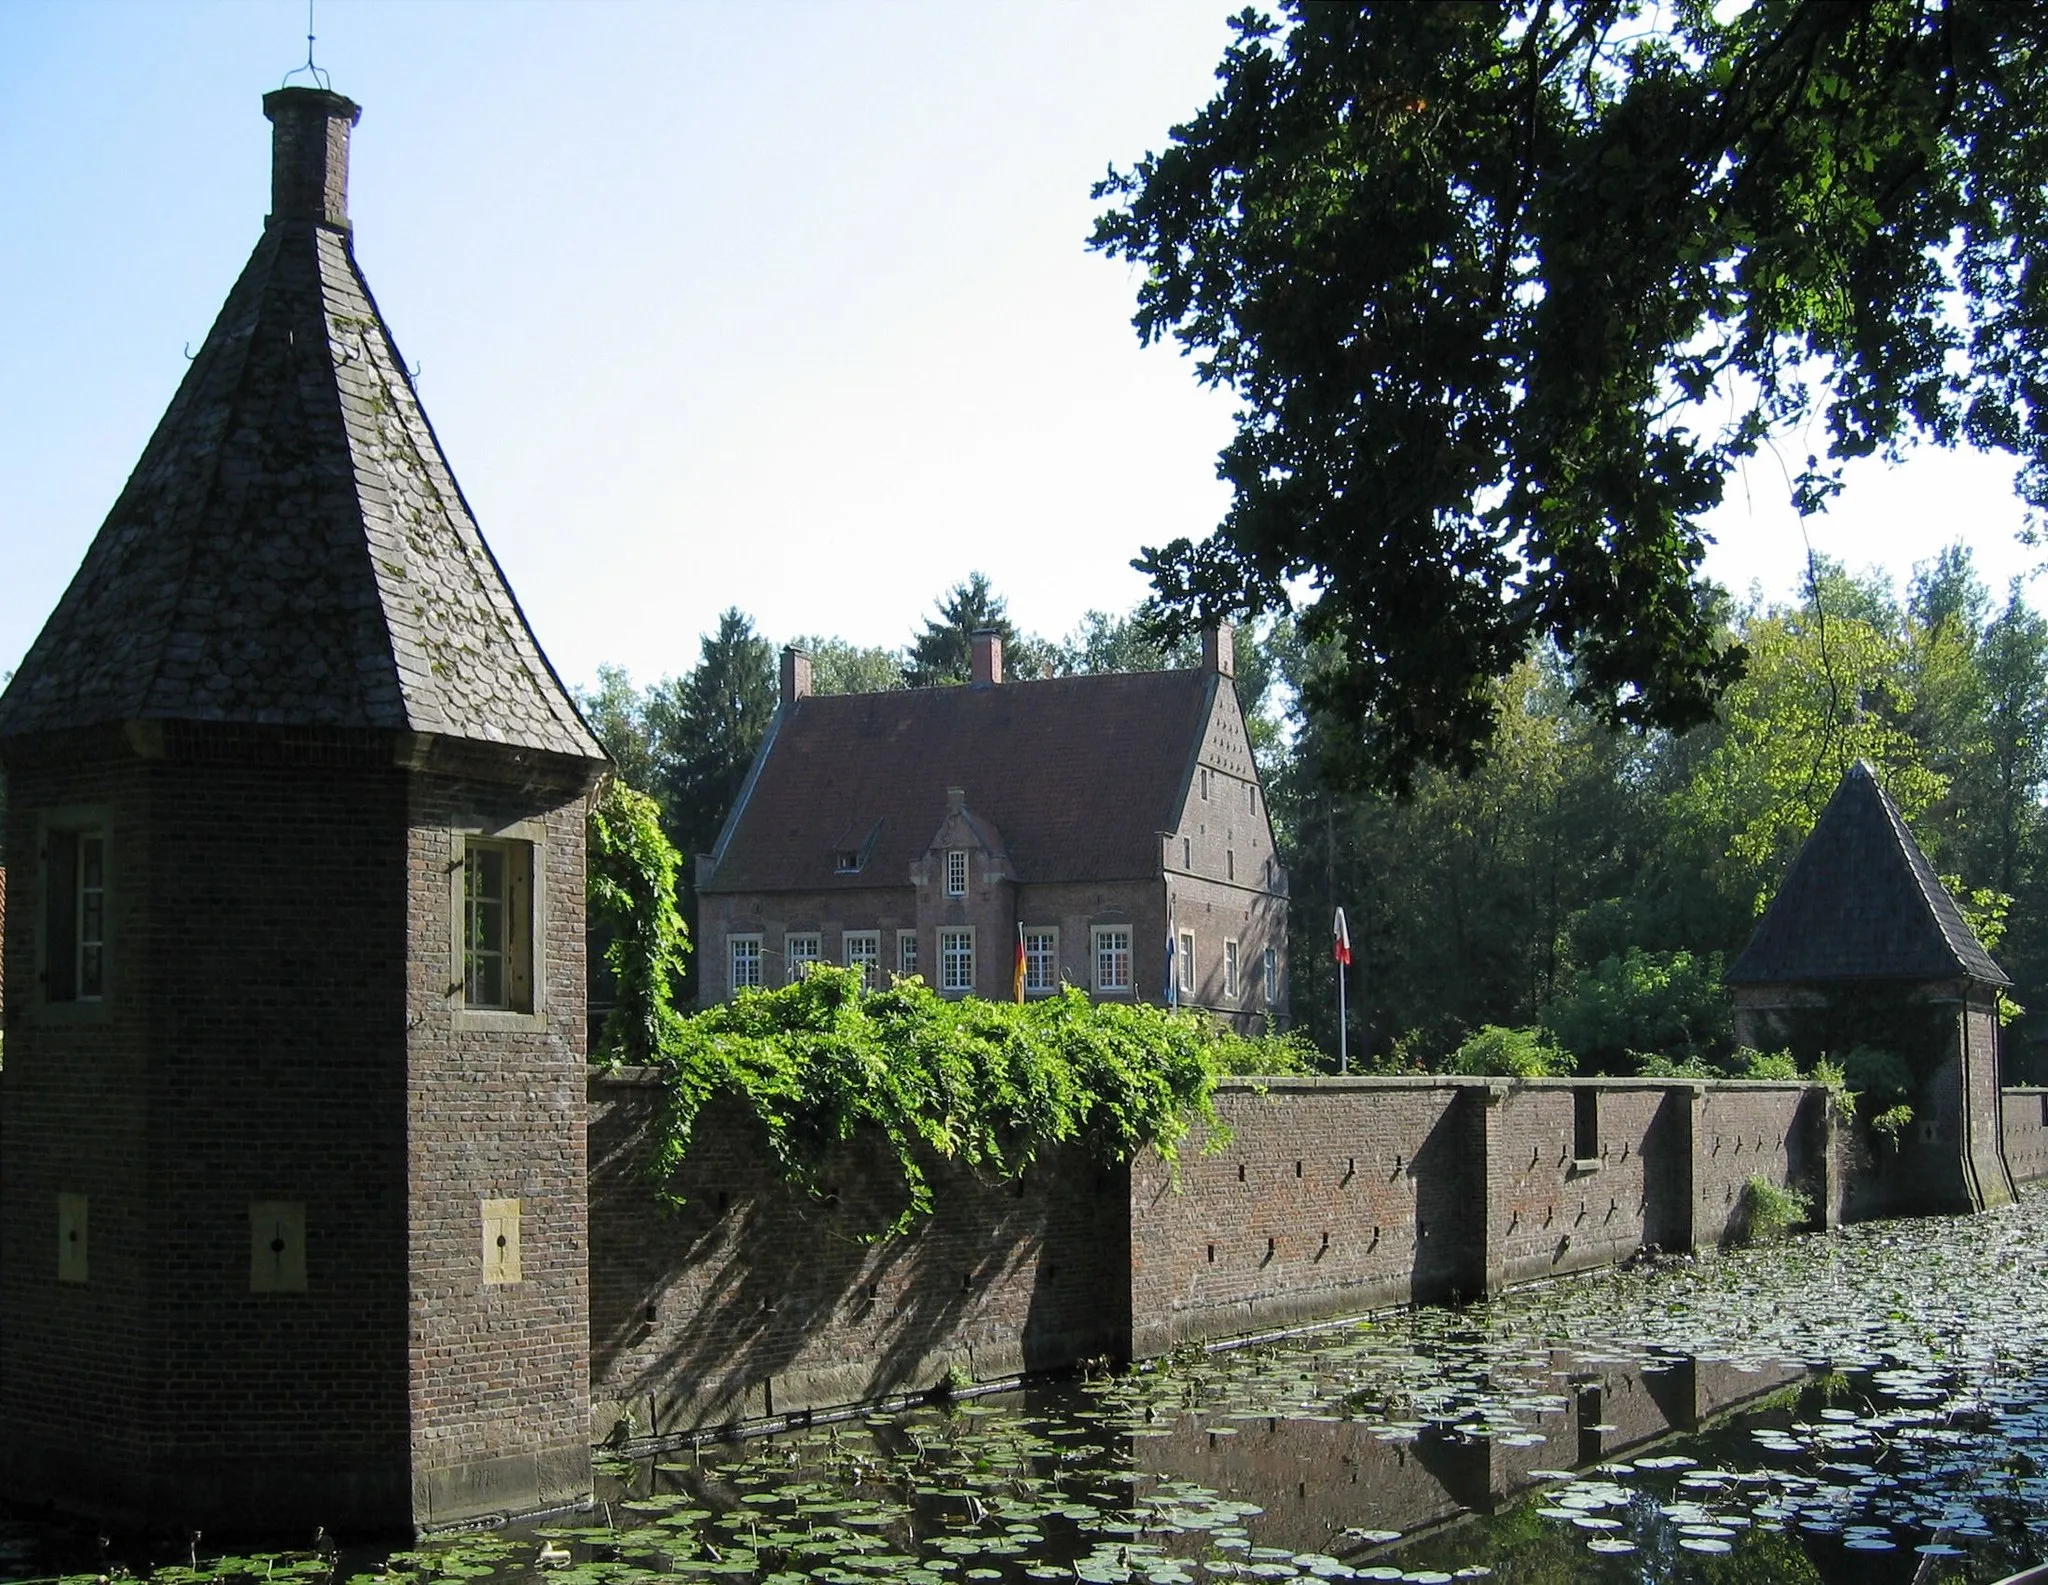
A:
x,y
292,1218
1863,945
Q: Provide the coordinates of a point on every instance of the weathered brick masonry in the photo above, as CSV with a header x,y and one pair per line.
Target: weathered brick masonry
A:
x,y
750,1301
1331,1197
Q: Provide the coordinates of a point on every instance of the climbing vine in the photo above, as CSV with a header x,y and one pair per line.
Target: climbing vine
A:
x,y
825,1063
632,892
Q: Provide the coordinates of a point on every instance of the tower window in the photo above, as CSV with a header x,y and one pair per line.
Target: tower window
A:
x,y
75,960
956,873
497,925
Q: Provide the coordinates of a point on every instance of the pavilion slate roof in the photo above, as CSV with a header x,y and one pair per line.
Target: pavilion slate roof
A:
x,y
292,549
1862,902
1080,775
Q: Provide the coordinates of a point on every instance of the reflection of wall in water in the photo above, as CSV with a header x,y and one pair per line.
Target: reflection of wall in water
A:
x,y
1316,1478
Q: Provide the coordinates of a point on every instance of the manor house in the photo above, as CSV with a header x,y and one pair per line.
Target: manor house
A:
x,y
1109,829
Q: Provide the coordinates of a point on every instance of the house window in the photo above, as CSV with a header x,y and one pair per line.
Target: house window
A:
x,y
846,861
956,960
956,873
1113,959
1186,969
75,963
746,962
799,952
1269,976
864,952
1230,969
497,924
906,953
1187,853
1041,961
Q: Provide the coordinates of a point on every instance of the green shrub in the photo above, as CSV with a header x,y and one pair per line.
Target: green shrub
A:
x,y
1510,1053
1769,1211
824,1063
1890,1123
1652,1066
1753,1064
1672,1003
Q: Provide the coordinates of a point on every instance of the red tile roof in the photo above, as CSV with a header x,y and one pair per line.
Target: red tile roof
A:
x,y
1079,774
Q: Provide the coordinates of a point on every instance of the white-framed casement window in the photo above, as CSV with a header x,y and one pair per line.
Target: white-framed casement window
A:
x,y
497,908
956,873
1184,960
1041,962
497,925
1111,946
1269,976
956,960
75,915
864,952
743,955
1230,969
906,953
800,949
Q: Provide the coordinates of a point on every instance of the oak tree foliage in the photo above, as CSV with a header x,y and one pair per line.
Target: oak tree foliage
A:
x,y
1507,290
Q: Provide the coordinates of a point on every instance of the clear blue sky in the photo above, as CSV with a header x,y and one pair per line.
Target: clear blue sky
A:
x,y
782,305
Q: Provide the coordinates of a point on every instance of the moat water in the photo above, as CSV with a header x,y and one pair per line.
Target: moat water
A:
x,y
1865,1406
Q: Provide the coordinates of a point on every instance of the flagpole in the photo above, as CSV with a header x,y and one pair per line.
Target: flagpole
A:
x,y
1343,1033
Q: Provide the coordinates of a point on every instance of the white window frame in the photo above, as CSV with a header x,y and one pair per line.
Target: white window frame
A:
x,y
862,949
800,948
1109,947
1230,969
522,938
956,961
1041,960
906,953
748,949
956,872
1184,962
1270,973
83,837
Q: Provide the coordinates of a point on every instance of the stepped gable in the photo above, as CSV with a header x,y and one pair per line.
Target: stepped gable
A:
x,y
292,549
1080,775
1861,902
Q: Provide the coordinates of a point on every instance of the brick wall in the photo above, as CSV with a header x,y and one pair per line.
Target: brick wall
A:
x,y
752,1300
2026,1133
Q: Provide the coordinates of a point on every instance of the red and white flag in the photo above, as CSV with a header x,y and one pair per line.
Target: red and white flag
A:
x,y
1342,949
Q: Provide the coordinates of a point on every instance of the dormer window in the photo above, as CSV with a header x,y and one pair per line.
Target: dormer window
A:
x,y
846,861
956,873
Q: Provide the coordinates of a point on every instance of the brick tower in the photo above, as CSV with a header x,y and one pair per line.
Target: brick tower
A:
x,y
292,1143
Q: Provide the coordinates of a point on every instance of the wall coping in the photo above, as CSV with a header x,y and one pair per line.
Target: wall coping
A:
x,y
647,1078
1452,1081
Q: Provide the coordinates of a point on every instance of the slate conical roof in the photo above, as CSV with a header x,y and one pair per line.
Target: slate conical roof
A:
x,y
292,548
1862,902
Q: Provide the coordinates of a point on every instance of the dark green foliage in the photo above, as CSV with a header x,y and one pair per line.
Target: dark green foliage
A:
x,y
840,667
823,1065
1506,293
943,652
1510,1053
705,728
632,891
1670,1004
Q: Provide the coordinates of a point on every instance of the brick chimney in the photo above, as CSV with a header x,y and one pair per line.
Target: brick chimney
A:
x,y
796,675
309,154
1219,649
988,658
